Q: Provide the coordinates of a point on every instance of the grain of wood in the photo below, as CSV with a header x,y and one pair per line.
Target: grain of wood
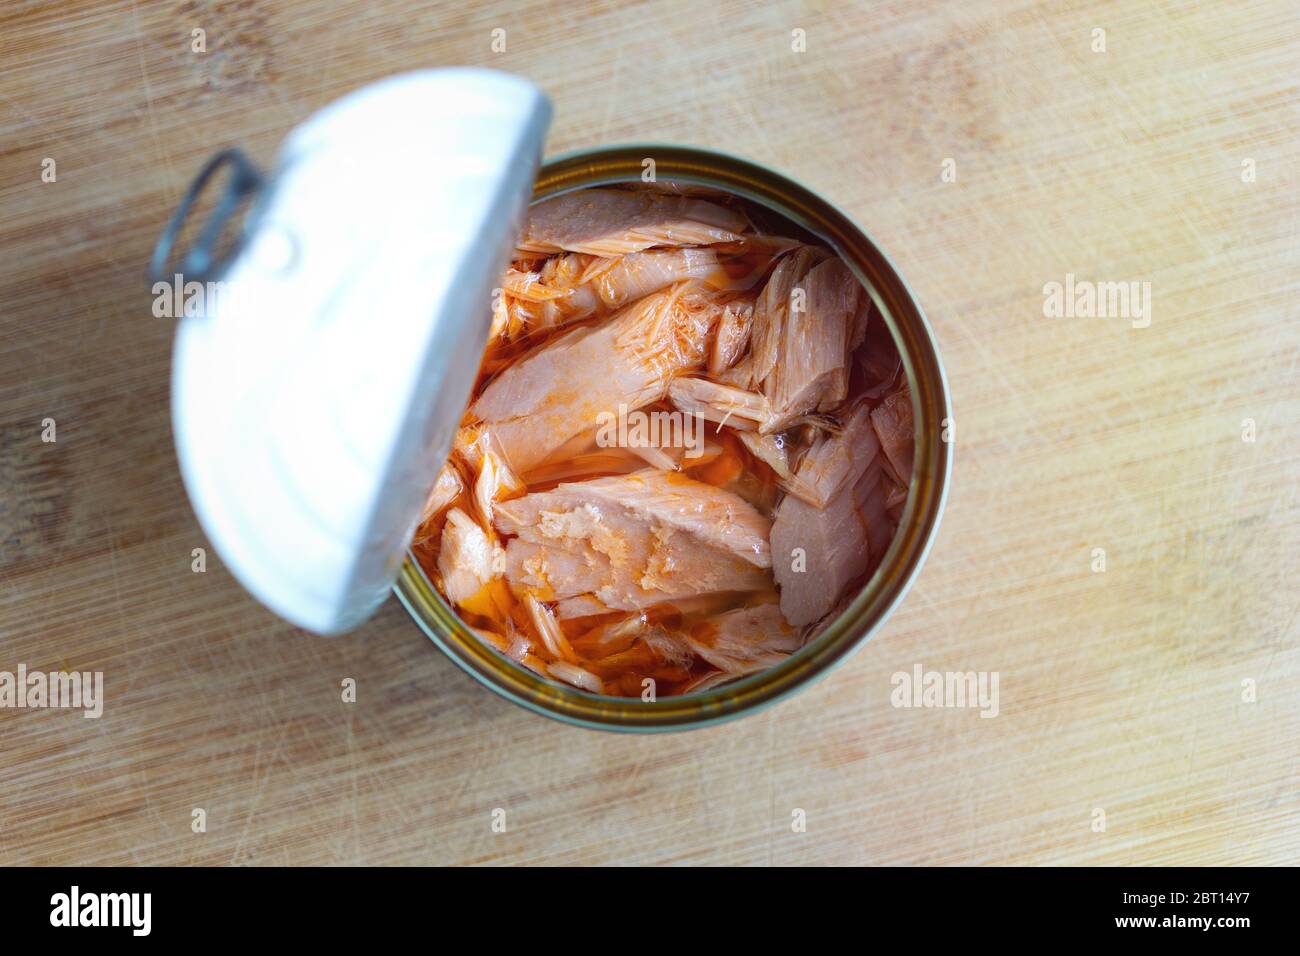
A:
x,y
1120,691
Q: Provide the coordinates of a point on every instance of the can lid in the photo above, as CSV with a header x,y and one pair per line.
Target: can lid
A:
x,y
318,390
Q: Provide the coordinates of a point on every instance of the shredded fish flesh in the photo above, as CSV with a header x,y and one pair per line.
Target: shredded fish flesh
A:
x,y
688,448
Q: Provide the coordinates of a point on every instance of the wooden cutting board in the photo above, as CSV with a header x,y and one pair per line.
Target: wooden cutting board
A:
x,y
1161,692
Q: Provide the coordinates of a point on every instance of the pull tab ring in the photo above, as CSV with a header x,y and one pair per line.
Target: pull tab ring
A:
x,y
198,263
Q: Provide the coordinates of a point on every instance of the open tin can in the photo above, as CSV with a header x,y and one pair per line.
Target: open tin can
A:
x,y
931,469
242,542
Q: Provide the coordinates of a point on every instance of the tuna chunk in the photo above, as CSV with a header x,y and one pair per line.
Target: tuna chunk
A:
x,y
817,343
494,481
467,560
878,360
576,287
770,312
583,605
832,525
856,334
835,460
577,676
772,450
613,222
818,552
732,336
719,403
572,383
631,541
895,427
446,488
745,640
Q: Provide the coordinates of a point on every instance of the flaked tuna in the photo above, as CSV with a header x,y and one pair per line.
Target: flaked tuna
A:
x,y
771,311
722,404
895,428
772,450
548,629
632,541
816,345
731,337
447,487
690,443
577,287
835,460
877,359
495,480
827,530
564,389
818,552
467,558
614,222
579,677
745,640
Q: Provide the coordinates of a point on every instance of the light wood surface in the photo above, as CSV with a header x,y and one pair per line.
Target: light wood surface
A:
x,y
1120,691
